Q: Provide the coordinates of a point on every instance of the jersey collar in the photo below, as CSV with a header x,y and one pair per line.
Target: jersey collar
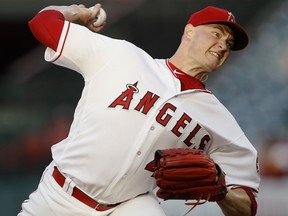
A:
x,y
187,82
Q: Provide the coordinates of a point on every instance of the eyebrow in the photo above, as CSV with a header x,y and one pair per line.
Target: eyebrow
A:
x,y
224,29
227,29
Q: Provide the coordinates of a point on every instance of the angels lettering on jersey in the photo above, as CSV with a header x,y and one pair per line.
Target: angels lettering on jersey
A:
x,y
196,137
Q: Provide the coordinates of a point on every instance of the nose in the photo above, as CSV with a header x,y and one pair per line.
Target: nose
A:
x,y
222,44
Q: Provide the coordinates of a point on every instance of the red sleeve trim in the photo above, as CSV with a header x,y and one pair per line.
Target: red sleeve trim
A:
x,y
251,195
47,26
63,43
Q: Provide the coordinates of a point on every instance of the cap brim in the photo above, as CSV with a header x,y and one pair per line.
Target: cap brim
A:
x,y
240,35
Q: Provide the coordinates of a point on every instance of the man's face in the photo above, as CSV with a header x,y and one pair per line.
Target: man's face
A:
x,y
210,45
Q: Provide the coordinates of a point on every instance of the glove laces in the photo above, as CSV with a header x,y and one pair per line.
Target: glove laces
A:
x,y
198,202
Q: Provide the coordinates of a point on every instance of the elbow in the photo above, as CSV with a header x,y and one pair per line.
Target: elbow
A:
x,y
46,27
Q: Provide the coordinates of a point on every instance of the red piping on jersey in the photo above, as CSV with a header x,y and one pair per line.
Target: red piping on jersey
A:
x,y
187,82
63,42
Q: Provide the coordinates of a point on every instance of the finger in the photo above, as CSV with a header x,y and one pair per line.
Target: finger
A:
x,y
96,29
96,7
95,10
81,5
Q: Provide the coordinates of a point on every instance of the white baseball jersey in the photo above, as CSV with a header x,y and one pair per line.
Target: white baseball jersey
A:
x,y
131,106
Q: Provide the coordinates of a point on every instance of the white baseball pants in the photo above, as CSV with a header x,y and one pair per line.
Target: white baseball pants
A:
x,y
51,200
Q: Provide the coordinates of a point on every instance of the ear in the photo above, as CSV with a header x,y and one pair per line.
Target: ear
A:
x,y
188,30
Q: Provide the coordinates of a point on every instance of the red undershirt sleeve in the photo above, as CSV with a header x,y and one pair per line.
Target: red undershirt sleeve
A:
x,y
46,27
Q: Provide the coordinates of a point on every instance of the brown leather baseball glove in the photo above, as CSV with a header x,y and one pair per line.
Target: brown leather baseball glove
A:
x,y
188,174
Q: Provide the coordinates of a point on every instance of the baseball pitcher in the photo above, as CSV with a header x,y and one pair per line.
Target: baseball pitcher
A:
x,y
144,125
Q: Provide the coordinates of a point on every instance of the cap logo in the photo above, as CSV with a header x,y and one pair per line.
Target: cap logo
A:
x,y
231,17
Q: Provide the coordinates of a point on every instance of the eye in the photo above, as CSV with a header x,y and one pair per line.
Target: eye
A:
x,y
230,44
216,34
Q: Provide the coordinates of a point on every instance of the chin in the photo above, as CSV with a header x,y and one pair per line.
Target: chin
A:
x,y
211,69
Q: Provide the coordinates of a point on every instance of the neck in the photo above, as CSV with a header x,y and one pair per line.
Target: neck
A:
x,y
190,69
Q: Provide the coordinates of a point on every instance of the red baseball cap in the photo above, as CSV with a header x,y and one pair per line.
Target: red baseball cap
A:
x,y
211,15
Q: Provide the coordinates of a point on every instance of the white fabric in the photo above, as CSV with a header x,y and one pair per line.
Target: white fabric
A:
x,y
109,145
51,200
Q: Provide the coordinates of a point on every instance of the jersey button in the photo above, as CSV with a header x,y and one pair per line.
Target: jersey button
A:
x,y
139,153
152,128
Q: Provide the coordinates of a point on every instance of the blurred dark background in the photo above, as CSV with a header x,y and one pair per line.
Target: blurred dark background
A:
x,y
37,99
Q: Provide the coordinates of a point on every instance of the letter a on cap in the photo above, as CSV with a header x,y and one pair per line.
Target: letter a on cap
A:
x,y
231,17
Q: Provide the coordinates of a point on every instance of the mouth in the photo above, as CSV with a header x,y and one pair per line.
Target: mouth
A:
x,y
217,55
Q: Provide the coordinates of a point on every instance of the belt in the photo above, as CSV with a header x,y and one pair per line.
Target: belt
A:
x,y
78,194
